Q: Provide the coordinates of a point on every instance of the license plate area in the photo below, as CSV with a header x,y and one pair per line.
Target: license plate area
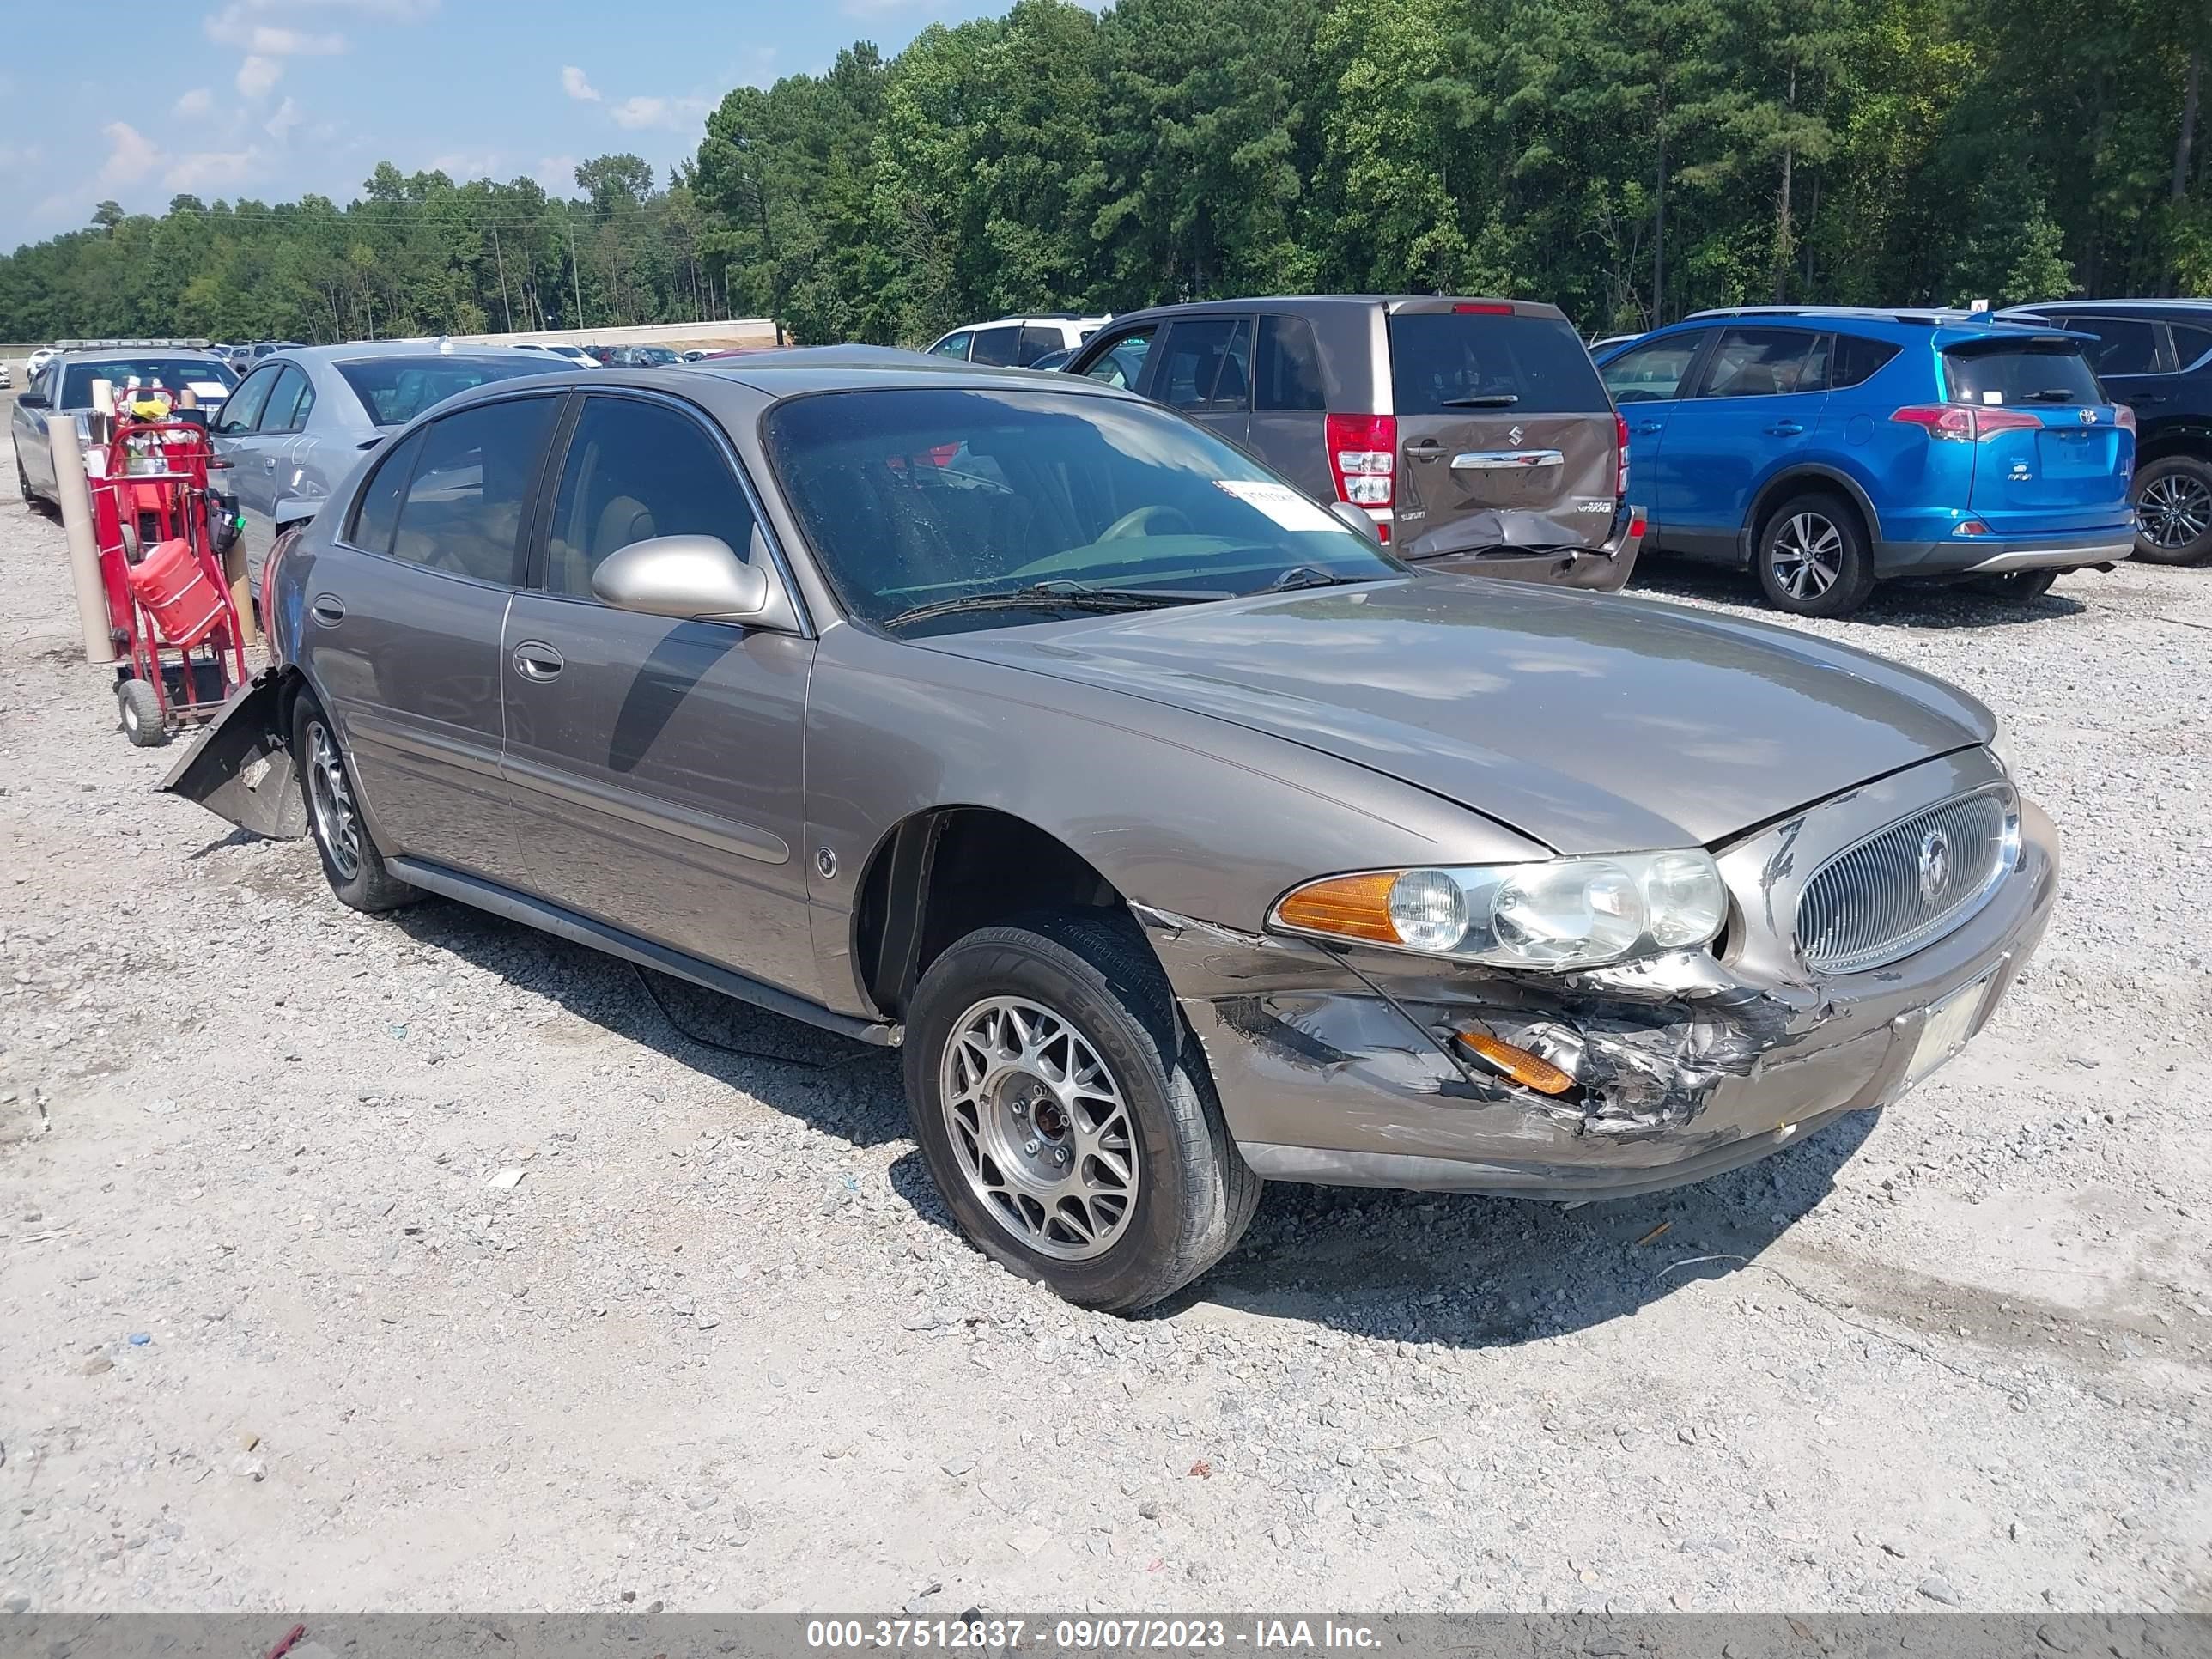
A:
x,y
1946,1027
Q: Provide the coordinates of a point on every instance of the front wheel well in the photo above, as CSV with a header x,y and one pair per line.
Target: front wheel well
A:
x,y
941,874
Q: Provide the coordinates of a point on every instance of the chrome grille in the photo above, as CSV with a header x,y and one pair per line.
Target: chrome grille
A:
x,y
1909,884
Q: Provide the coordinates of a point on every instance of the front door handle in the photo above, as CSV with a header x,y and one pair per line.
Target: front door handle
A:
x,y
536,660
1784,430
268,463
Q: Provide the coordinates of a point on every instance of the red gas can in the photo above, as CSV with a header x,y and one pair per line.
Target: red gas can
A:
x,y
171,583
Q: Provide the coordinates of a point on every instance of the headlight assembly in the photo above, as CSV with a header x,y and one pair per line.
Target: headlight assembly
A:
x,y
1560,914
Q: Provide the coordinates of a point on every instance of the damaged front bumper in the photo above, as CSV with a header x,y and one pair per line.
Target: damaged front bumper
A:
x,y
241,767
1340,1067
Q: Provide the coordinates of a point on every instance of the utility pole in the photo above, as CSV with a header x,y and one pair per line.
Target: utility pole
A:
x,y
500,261
574,274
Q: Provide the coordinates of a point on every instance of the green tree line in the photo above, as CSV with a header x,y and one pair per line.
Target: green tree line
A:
x,y
1630,159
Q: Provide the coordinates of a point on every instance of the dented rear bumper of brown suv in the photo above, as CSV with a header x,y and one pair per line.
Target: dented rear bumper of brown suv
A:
x,y
1339,1066
1603,568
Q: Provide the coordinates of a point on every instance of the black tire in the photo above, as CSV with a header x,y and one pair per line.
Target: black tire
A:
x,y
23,483
1811,559
1195,1193
2174,495
353,865
141,714
2018,586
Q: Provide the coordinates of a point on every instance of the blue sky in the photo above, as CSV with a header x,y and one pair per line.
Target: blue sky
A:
x,y
269,98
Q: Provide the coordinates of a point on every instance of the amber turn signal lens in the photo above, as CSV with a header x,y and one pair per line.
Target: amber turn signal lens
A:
x,y
1350,907
1530,1071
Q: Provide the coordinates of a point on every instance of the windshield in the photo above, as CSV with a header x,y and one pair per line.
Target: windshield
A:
x,y
2020,372
172,374
395,390
922,497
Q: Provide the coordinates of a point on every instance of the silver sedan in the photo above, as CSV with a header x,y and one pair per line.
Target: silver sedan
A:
x,y
295,426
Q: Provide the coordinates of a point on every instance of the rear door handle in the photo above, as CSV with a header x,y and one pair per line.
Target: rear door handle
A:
x,y
1784,430
327,608
268,463
536,660
1647,428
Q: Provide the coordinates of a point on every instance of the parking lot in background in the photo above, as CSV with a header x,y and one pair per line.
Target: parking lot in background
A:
x,y
422,1262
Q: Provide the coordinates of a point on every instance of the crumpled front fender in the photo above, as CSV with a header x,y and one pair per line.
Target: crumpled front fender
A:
x,y
241,768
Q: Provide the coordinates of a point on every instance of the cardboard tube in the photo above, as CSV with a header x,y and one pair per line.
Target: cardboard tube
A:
x,y
75,497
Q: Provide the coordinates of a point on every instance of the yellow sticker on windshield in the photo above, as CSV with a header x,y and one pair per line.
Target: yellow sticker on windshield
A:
x,y
1280,503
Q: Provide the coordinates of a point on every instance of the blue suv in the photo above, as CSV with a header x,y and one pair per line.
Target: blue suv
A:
x,y
1831,448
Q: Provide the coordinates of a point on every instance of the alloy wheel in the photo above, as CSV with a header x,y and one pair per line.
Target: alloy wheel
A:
x,y
1808,556
1041,1127
337,825
2175,510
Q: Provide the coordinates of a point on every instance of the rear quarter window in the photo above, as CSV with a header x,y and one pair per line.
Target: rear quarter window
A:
x,y
1857,360
2023,371
1443,362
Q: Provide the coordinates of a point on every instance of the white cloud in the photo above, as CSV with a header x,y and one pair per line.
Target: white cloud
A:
x,y
557,173
131,156
198,101
211,169
279,126
235,25
256,76
465,165
668,112
572,82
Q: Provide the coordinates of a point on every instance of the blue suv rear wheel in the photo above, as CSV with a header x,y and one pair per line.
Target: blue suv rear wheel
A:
x,y
1812,559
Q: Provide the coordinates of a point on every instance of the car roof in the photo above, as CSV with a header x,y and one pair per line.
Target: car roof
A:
x,y
366,349
2187,307
1297,303
1942,326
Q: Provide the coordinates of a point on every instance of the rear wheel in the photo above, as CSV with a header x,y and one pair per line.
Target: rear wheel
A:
x,y
23,483
2173,508
1813,558
1067,1114
351,863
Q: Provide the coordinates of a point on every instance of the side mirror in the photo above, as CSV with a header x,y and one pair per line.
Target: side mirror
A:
x,y
682,576
1354,518
31,400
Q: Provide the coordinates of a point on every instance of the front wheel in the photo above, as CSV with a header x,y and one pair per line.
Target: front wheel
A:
x,y
1067,1116
141,714
1812,559
351,863
2173,510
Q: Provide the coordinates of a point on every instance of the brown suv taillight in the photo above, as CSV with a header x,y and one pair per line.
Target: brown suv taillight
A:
x,y
1363,460
1620,451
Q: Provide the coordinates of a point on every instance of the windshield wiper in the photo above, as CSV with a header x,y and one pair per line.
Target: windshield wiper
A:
x,y
1305,575
1484,400
2050,394
1063,593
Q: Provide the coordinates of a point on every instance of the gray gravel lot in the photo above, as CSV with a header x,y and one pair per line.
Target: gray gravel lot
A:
x,y
278,1331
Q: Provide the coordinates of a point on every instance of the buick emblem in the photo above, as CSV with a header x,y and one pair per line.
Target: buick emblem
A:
x,y
1934,864
1514,436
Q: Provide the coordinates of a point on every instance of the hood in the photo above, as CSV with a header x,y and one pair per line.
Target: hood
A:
x,y
1590,723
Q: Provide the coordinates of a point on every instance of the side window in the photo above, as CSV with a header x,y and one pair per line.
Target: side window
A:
x,y
1857,360
376,513
288,406
1123,360
952,345
2124,346
2190,343
1760,362
1206,366
463,512
1001,346
243,407
1290,366
635,471
1652,373
1038,342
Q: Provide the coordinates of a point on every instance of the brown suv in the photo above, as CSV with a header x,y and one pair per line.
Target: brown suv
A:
x,y
1475,433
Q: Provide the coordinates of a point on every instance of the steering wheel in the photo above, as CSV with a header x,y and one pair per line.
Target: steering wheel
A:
x,y
1140,522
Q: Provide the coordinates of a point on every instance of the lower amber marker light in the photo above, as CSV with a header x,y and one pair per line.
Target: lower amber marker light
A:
x,y
1530,1071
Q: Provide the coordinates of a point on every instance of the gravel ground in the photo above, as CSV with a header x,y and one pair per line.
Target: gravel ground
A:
x,y
280,1326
